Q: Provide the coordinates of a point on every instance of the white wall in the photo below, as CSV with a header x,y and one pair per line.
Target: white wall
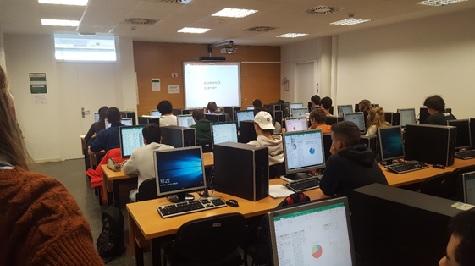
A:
x,y
47,127
400,65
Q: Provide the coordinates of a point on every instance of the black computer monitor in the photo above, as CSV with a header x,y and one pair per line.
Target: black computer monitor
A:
x,y
147,119
316,233
185,120
303,150
215,117
463,138
408,116
390,143
372,143
468,181
244,115
299,112
155,113
358,119
388,117
333,120
344,109
278,117
222,132
472,131
179,171
423,114
130,139
247,132
295,124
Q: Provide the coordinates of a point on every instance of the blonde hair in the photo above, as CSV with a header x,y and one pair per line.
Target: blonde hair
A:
x,y
12,146
376,117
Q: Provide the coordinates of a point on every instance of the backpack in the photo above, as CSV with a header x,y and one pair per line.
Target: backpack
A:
x,y
110,242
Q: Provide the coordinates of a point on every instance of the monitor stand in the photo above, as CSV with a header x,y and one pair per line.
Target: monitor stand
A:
x,y
182,196
297,176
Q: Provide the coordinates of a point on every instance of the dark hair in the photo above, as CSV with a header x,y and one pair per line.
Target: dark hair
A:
x,y
463,226
347,132
257,103
102,113
326,102
113,115
315,99
319,115
151,133
212,107
435,102
365,106
198,115
165,107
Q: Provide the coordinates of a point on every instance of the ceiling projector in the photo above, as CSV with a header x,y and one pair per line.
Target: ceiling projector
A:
x,y
228,50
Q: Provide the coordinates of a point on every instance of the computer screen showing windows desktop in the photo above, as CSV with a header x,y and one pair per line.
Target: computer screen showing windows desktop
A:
x,y
390,143
222,132
303,150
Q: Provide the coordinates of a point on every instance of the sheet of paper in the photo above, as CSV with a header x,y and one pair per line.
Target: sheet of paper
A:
x,y
279,191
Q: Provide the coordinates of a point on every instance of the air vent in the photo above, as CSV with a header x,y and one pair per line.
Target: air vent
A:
x,y
139,21
261,28
322,10
173,1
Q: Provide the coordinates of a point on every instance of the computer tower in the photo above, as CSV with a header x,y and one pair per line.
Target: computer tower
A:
x,y
177,136
286,110
433,144
327,144
185,112
231,111
472,131
241,170
127,114
393,226
247,132
216,117
372,143
396,119
423,114
146,119
388,117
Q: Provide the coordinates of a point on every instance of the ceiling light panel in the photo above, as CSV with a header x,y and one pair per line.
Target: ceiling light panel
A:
x,y
292,35
59,22
440,2
235,12
193,30
65,2
349,21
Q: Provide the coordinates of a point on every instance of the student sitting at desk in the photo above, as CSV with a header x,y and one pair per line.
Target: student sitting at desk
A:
x,y
461,246
202,127
264,130
351,164
375,120
109,138
364,106
97,126
436,108
326,104
167,118
141,159
315,100
317,119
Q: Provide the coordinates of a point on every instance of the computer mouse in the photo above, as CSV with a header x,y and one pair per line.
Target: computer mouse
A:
x,y
232,203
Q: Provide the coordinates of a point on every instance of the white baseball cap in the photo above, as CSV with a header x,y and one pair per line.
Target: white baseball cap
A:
x,y
264,120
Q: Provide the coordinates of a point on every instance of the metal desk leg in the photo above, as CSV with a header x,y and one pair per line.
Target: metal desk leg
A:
x,y
156,252
115,192
138,255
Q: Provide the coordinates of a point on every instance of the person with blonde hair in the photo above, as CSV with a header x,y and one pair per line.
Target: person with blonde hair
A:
x,y
375,120
364,106
41,223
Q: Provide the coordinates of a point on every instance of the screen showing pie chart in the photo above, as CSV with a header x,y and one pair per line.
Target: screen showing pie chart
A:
x,y
317,251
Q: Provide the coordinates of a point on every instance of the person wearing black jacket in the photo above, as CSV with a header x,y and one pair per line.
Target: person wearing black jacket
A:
x,y
436,108
351,165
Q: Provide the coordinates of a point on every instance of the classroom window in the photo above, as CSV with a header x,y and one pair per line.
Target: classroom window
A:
x,y
84,48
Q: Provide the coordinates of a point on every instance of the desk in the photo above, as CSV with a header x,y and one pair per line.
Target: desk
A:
x,y
414,176
146,224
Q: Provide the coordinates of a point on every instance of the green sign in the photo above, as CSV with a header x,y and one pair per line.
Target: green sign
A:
x,y
38,83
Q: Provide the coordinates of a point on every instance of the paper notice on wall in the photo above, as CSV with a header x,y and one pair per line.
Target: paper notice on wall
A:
x,y
38,83
155,84
39,98
173,89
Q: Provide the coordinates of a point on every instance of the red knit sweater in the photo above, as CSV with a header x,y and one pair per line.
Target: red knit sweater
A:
x,y
40,223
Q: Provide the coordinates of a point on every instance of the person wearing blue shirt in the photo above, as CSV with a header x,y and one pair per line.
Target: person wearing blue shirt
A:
x,y
109,138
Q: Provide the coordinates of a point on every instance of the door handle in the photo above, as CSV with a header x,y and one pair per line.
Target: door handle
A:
x,y
84,112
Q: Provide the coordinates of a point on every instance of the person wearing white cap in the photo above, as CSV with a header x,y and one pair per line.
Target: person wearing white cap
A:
x,y
264,129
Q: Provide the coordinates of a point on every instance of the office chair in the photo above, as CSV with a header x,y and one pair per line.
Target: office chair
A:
x,y
443,185
208,241
206,146
147,190
276,170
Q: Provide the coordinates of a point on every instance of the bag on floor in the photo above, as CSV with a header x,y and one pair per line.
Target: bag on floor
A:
x,y
110,242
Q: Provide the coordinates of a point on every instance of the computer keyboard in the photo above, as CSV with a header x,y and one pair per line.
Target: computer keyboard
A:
x,y
465,155
185,207
304,184
401,168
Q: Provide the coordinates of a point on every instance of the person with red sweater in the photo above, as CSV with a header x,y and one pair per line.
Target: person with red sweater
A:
x,y
40,222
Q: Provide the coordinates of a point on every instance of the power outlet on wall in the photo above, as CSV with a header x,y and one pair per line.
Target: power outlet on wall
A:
x,y
174,75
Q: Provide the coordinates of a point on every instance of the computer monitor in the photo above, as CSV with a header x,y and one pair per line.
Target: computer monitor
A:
x,y
408,116
390,143
344,109
244,115
222,132
96,117
358,119
295,124
468,181
277,107
299,112
124,121
155,113
250,107
179,171
215,117
278,117
295,105
331,120
316,233
130,139
303,150
463,139
185,120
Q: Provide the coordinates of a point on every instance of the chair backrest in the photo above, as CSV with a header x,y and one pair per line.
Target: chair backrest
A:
x,y
276,170
147,190
443,185
206,146
211,238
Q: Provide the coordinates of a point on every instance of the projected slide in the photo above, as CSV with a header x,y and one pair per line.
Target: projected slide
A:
x,y
212,82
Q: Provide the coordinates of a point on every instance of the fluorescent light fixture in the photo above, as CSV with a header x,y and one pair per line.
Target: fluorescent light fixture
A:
x,y
440,2
349,21
193,30
59,22
65,2
235,12
292,35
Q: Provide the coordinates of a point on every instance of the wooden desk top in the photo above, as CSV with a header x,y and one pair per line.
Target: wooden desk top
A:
x,y
152,225
414,176
460,163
